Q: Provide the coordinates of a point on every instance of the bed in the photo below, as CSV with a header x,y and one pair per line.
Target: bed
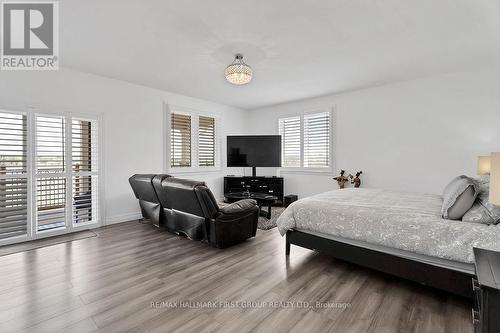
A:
x,y
398,233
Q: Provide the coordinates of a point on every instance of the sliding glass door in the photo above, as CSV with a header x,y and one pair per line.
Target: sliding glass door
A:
x,y
49,176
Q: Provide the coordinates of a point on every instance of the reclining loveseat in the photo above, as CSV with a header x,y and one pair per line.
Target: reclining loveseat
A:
x,y
188,207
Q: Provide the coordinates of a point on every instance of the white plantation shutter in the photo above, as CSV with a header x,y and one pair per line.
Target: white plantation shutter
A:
x,y
49,174
85,199
50,143
84,155
289,129
13,175
54,180
206,141
84,145
317,140
306,141
180,140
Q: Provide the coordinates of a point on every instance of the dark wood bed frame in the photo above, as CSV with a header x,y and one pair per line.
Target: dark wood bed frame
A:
x,y
453,281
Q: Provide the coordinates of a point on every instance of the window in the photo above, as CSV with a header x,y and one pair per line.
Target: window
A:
x,y
180,140
48,173
306,141
192,141
206,141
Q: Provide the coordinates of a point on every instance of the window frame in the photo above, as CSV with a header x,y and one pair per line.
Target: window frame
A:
x,y
195,167
54,111
312,170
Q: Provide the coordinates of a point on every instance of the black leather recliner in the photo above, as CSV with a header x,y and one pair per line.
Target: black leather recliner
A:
x,y
190,208
142,185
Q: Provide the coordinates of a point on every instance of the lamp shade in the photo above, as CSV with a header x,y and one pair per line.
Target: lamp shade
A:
x,y
483,165
495,179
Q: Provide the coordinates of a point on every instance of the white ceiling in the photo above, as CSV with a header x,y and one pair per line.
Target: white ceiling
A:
x,y
297,49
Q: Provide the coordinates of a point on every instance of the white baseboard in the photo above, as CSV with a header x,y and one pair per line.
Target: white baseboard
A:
x,y
123,218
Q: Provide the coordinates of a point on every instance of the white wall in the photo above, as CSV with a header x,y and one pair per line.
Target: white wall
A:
x,y
409,136
132,124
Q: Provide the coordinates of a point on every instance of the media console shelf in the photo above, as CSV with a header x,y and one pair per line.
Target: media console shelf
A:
x,y
267,185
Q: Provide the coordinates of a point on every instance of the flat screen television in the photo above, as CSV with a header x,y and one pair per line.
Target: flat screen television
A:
x,y
254,151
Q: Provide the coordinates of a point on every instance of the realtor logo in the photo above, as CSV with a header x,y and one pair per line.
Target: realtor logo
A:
x,y
30,35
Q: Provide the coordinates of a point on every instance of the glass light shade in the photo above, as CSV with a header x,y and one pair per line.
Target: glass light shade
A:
x,y
238,72
483,165
495,179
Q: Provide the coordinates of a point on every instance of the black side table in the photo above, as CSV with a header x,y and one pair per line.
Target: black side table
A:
x,y
261,198
268,200
486,288
289,199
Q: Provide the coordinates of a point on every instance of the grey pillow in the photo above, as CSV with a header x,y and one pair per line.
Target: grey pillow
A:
x,y
458,197
483,211
478,214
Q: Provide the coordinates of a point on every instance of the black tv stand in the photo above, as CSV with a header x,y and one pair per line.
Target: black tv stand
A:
x,y
267,185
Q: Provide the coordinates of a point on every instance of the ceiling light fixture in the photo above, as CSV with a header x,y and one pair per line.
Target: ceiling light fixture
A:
x,y
238,72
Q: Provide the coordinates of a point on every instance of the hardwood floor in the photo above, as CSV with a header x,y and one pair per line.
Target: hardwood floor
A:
x,y
129,276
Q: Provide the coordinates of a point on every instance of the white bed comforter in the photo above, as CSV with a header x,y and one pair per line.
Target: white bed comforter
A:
x,y
406,221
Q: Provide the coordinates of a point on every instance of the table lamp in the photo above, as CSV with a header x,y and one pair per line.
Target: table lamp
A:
x,y
495,179
483,165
